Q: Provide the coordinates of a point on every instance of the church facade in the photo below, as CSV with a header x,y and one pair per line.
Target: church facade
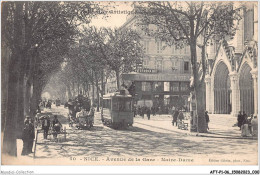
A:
x,y
232,77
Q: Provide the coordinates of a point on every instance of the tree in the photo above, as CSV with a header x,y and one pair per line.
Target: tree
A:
x,y
38,35
193,24
122,51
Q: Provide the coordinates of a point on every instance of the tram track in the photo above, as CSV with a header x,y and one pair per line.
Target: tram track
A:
x,y
159,128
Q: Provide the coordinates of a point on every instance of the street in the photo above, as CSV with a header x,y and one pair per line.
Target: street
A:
x,y
144,139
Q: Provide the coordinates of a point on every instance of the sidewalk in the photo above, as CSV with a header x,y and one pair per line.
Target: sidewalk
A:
x,y
220,126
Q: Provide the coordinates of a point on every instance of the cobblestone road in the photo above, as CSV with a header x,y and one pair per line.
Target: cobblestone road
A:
x,y
154,138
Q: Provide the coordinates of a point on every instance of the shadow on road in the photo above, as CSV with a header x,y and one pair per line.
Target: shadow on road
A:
x,y
137,141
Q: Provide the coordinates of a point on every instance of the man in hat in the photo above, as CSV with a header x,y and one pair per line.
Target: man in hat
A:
x,y
27,136
31,135
45,126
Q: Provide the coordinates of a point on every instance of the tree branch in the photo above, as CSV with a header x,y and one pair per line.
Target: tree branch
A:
x,y
198,19
179,22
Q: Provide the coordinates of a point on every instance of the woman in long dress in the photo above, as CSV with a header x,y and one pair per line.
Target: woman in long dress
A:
x,y
245,129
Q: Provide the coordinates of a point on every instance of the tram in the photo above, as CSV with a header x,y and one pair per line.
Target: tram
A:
x,y
117,110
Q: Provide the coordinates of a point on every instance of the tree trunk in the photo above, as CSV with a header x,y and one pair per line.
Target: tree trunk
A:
x,y
9,138
117,79
78,87
4,84
93,89
5,52
35,98
88,89
198,91
27,98
102,93
73,90
200,111
20,109
96,79
69,92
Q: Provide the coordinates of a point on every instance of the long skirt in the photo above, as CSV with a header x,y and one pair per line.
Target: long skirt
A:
x,y
25,147
245,131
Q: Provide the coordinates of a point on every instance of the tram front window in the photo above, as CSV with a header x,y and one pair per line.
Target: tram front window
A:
x,y
122,104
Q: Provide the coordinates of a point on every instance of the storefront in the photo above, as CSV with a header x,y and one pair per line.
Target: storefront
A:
x,y
160,90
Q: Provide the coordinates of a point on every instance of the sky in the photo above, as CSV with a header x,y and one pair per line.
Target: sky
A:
x,y
117,15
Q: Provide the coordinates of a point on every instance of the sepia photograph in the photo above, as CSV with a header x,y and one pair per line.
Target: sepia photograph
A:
x,y
130,83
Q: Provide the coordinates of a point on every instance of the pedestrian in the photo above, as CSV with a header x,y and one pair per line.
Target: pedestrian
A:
x,y
180,116
25,136
173,108
45,126
148,112
207,119
254,124
153,110
138,110
244,115
37,120
239,120
92,114
56,126
142,111
245,130
92,111
175,117
31,136
134,110
250,123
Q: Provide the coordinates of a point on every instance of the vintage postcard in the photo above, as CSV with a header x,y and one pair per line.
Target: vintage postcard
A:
x,y
129,83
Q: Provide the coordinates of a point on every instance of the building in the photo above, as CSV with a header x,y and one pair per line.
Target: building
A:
x,y
162,78
231,82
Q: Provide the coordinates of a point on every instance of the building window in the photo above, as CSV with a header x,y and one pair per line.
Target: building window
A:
x,y
174,65
159,65
146,46
159,46
146,86
186,66
145,63
186,49
166,100
184,86
166,86
158,86
181,51
174,86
